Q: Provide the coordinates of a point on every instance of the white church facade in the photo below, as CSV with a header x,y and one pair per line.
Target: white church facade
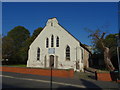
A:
x,y
55,47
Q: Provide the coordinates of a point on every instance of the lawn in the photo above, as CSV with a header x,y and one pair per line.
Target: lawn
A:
x,y
19,65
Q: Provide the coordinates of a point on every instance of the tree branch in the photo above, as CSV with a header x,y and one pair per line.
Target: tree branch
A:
x,y
97,36
103,35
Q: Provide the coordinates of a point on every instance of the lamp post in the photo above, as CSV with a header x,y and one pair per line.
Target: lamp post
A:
x,y
118,45
51,80
51,77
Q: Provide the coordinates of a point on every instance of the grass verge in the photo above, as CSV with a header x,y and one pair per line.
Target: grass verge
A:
x,y
19,65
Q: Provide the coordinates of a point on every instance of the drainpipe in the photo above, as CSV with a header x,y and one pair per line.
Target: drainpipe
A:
x,y
76,58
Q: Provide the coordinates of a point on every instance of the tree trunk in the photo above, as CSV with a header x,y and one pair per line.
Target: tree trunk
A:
x,y
106,50
107,60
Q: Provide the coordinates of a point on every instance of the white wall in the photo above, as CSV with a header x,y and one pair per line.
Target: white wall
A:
x,y
64,39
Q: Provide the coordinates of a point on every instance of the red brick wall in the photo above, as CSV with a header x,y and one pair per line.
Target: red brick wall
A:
x,y
104,77
36,71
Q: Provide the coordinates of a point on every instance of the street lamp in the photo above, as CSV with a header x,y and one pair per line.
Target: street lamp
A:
x,y
51,77
118,45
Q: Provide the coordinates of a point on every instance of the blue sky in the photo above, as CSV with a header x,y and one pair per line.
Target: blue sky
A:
x,y
74,17
1,17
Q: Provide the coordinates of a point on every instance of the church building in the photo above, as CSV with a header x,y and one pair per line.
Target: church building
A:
x,y
55,47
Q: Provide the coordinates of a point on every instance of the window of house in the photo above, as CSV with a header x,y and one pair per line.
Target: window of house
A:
x,y
82,55
67,53
47,43
51,24
52,41
57,42
38,54
45,61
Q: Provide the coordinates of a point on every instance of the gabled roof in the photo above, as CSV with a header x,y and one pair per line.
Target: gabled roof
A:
x,y
70,34
82,45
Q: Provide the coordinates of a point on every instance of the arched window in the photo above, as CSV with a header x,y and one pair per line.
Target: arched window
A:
x,y
47,43
38,54
57,42
52,41
67,53
82,55
45,61
51,24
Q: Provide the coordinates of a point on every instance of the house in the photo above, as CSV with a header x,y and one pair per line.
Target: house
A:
x,y
56,47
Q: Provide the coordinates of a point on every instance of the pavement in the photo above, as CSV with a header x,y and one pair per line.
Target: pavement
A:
x,y
28,81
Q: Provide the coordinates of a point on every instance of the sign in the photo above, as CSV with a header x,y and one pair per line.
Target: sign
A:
x,y
51,51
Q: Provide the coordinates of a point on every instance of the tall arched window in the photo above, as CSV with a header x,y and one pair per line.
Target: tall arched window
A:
x,y
47,43
82,55
51,24
57,42
52,41
67,53
38,54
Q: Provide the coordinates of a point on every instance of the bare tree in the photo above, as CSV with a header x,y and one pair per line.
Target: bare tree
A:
x,y
97,37
106,50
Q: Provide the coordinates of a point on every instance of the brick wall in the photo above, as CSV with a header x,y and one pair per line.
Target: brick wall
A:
x,y
38,71
104,77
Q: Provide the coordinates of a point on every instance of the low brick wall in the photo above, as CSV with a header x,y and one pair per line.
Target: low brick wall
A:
x,y
104,77
111,76
118,81
38,71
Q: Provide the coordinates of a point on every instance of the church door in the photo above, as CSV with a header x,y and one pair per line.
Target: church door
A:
x,y
51,61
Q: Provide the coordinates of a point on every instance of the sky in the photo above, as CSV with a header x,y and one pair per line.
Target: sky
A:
x,y
73,16
0,18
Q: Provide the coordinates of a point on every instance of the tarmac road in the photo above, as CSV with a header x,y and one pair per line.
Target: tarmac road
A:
x,y
27,81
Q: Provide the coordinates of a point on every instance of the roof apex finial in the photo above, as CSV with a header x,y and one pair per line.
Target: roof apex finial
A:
x,y
53,20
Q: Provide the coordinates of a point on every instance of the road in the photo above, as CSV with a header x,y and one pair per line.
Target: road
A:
x,y
28,81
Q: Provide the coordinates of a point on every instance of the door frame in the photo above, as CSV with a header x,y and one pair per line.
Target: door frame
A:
x,y
52,61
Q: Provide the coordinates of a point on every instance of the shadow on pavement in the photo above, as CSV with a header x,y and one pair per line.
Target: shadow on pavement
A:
x,y
92,77
11,87
6,86
86,83
89,85
68,87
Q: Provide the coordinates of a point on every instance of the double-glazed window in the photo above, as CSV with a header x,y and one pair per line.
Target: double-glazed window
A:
x,y
38,54
67,53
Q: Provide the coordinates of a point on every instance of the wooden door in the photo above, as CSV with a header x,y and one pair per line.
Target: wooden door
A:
x,y
51,61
